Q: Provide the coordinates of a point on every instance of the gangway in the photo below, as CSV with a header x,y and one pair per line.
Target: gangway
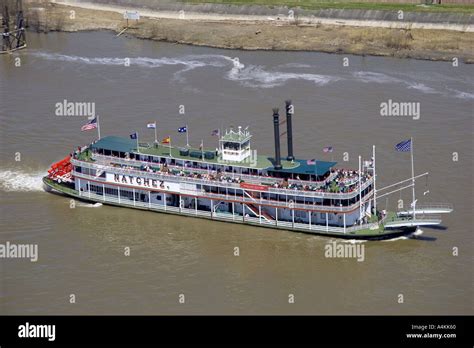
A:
x,y
407,222
430,208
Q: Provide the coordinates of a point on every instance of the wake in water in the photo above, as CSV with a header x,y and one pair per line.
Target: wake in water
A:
x,y
395,239
21,180
418,232
354,241
89,205
250,75
256,76
461,95
372,77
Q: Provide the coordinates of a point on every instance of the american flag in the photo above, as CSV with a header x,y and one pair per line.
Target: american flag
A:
x,y
311,162
404,146
92,124
328,149
215,132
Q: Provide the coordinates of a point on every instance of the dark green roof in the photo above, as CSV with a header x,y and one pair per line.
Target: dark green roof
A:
x,y
260,162
114,143
319,168
121,144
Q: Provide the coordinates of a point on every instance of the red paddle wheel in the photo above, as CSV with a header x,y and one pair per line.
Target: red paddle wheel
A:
x,y
61,171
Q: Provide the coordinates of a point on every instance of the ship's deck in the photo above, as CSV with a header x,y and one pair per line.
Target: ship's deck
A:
x,y
371,230
125,145
259,162
339,180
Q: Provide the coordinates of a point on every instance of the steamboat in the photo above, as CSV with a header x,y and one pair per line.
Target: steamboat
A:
x,y
234,184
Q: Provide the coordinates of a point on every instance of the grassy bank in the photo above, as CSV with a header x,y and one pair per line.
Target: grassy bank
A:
x,y
426,44
344,4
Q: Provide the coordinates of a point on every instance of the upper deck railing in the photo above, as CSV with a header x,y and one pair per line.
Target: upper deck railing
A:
x,y
245,199
217,183
257,179
248,178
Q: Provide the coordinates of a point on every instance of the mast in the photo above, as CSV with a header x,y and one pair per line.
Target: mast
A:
x,y
98,127
375,187
412,177
138,147
187,135
360,191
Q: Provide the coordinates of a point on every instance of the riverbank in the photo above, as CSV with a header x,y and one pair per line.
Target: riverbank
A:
x,y
259,33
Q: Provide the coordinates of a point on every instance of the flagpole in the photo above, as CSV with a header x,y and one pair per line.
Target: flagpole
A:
x,y
202,149
412,176
360,192
375,187
156,138
138,148
316,163
187,135
169,143
98,127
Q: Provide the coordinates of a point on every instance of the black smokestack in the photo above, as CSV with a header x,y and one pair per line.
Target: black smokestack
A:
x,y
276,130
289,129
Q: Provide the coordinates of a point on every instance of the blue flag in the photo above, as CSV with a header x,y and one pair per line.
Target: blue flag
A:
x,y
134,135
182,129
404,146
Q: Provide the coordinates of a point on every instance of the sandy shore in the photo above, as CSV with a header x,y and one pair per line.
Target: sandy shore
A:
x,y
260,32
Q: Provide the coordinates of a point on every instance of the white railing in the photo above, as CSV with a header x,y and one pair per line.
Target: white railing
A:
x,y
217,183
243,199
410,218
223,216
447,206
359,227
257,179
319,194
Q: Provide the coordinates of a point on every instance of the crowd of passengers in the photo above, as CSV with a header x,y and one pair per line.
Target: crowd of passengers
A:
x,y
344,180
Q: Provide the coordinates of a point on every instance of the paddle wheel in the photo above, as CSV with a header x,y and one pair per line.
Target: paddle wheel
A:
x,y
61,171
